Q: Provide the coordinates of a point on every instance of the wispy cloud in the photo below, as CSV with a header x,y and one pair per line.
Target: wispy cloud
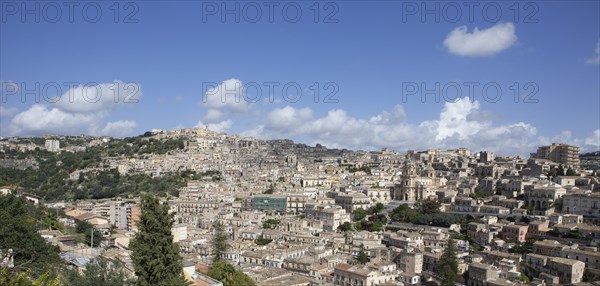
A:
x,y
596,59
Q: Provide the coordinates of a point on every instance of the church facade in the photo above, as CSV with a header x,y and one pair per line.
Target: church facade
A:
x,y
417,184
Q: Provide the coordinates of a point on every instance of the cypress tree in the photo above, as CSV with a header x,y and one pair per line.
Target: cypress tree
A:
x,y
219,241
362,256
154,255
447,266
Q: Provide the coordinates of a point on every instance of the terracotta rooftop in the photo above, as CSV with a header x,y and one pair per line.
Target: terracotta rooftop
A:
x,y
343,266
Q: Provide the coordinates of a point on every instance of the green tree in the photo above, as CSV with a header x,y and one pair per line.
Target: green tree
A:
x,y
424,277
372,226
377,208
154,255
430,206
230,276
560,171
571,172
589,276
97,237
219,241
525,247
23,279
551,173
378,218
18,231
447,266
262,241
271,223
359,214
86,229
99,272
375,226
404,213
362,256
346,226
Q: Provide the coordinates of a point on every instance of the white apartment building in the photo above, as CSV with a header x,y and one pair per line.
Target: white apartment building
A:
x,y
52,145
332,216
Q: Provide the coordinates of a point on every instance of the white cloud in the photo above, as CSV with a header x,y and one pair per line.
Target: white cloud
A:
x,y
389,129
485,42
80,110
40,119
212,115
222,126
256,132
596,59
223,101
288,117
120,128
397,115
7,112
99,98
453,120
593,141
587,144
229,95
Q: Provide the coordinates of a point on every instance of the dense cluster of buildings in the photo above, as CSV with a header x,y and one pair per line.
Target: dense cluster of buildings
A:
x,y
283,205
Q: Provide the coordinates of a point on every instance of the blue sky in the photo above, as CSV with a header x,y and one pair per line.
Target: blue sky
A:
x,y
369,54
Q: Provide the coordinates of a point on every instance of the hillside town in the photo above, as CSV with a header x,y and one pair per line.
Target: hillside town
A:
x,y
302,215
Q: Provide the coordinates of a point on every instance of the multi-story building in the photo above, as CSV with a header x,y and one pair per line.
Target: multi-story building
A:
x,y
543,197
378,195
193,207
105,210
311,226
410,262
513,188
466,204
430,261
355,275
488,171
568,271
548,247
480,274
556,219
353,201
502,201
564,154
434,239
515,232
485,209
407,240
295,203
123,215
582,203
486,157
269,202
538,228
126,216
332,216
52,145
482,234
589,255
